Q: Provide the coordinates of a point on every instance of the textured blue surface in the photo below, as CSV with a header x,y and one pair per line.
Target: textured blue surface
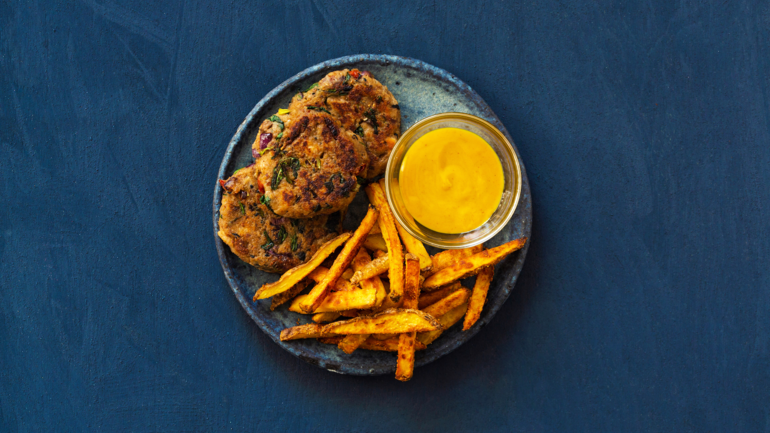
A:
x,y
644,302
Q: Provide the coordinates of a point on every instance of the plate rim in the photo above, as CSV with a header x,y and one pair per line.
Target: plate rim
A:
x,y
385,59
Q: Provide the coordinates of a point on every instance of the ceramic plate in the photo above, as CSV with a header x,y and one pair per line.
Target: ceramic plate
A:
x,y
421,90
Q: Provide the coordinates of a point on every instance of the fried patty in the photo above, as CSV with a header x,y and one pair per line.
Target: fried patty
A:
x,y
260,237
361,104
312,168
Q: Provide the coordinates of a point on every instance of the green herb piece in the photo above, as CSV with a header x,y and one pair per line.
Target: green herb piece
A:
x,y
379,99
371,115
236,171
281,235
265,200
314,108
269,244
294,243
279,136
243,209
359,131
330,183
313,86
276,119
277,176
347,78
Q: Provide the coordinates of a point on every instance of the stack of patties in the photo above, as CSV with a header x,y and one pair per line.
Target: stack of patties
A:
x,y
309,163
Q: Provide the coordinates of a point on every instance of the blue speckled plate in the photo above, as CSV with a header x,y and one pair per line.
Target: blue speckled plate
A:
x,y
421,90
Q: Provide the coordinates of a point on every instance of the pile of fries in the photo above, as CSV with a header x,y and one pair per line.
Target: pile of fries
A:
x,y
421,298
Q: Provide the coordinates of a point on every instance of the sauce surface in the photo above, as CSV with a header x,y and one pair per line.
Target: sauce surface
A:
x,y
451,180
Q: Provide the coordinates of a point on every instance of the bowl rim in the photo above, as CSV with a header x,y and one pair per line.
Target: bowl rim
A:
x,y
517,177
500,289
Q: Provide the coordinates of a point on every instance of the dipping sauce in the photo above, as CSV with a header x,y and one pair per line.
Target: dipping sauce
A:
x,y
451,180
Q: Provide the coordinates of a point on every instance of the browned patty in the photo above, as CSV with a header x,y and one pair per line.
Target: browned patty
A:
x,y
260,237
361,104
312,169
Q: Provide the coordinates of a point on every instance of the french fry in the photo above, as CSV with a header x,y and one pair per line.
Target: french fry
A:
x,y
335,340
374,268
430,298
375,242
478,297
342,284
451,301
319,292
311,330
339,301
471,265
386,345
447,321
288,295
297,274
405,363
445,258
393,321
390,234
415,247
351,342
384,337
380,253
375,230
361,260
389,345
325,317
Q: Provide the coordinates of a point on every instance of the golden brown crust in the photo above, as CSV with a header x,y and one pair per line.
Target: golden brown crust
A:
x,y
260,237
360,104
312,170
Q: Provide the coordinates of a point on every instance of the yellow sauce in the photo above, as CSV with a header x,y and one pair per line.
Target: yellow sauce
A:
x,y
451,180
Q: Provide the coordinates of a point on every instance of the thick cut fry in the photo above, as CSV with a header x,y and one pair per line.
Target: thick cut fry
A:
x,y
374,268
288,295
335,340
405,362
325,317
393,321
390,234
351,342
311,330
451,301
389,345
384,336
319,292
380,253
445,258
362,259
415,247
386,345
375,242
411,281
478,297
340,301
472,265
430,298
320,273
375,230
447,321
297,274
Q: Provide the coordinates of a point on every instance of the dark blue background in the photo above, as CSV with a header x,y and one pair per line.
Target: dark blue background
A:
x,y
644,303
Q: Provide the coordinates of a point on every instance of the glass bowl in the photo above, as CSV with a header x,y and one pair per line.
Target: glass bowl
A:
x,y
511,173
